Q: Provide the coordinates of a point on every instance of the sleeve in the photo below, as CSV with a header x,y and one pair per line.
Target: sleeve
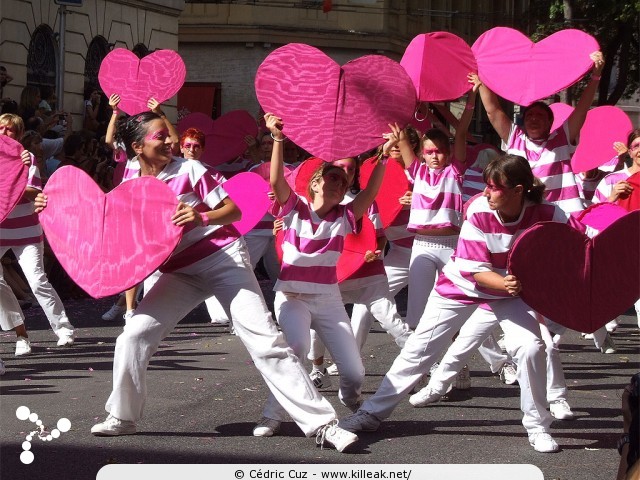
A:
x,y
374,215
350,218
33,178
412,170
513,134
603,190
472,254
280,211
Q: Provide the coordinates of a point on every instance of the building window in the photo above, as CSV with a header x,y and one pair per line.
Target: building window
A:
x,y
42,57
140,50
98,49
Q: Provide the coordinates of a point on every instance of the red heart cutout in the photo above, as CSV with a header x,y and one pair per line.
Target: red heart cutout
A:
x,y
159,75
632,202
13,180
601,215
438,64
522,71
303,174
109,243
394,185
264,170
224,136
249,192
330,111
584,290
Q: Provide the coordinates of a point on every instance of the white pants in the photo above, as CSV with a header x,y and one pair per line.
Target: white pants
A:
x,y
297,313
259,247
229,277
11,315
30,258
637,307
396,266
369,303
441,319
429,255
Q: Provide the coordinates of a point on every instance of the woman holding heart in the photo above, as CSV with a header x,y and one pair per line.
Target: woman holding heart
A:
x,y
476,275
211,259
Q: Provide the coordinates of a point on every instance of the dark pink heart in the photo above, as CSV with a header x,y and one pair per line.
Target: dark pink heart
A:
x,y
561,112
585,287
394,185
603,126
264,170
522,71
249,192
334,112
13,180
224,136
108,243
355,246
438,64
159,75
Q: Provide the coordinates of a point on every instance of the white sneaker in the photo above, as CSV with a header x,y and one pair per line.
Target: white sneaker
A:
x,y
361,421
113,313
220,321
608,346
587,336
266,427
332,370
113,427
65,336
334,435
561,410
611,326
320,379
128,314
424,397
23,346
508,374
463,379
2,367
543,442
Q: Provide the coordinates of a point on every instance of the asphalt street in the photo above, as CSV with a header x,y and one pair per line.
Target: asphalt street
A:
x,y
205,395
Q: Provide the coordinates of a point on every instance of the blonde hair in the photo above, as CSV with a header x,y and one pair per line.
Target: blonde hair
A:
x,y
14,121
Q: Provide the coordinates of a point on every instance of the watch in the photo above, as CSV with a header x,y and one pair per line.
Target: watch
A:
x,y
622,441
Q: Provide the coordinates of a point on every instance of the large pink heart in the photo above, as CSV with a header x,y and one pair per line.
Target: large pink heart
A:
x,y
603,126
394,185
586,287
561,112
159,75
438,64
224,136
249,192
13,180
334,112
522,71
108,243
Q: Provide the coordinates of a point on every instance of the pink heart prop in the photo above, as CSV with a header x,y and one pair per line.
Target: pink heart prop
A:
x,y
603,126
249,191
13,180
522,71
334,112
394,185
561,112
438,64
601,215
264,171
583,290
159,75
109,243
224,136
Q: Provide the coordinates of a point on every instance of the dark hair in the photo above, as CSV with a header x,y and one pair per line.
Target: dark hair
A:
x,y
439,138
541,105
512,170
88,90
134,129
193,133
72,144
632,136
10,107
414,138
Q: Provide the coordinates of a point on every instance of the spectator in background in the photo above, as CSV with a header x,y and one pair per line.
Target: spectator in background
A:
x,y
92,99
4,79
29,103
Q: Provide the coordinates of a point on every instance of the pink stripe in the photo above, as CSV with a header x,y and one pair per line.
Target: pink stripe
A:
x,y
17,242
317,274
205,185
472,250
201,249
180,184
443,199
309,246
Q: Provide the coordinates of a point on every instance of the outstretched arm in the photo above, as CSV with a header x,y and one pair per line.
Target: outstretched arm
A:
x,y
499,120
110,136
579,114
279,185
460,140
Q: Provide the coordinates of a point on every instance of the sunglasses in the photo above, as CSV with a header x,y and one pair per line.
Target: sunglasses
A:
x,y
191,146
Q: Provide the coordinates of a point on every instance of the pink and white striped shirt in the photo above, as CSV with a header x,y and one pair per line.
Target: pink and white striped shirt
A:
x,y
311,245
437,196
22,226
550,161
484,245
472,183
605,187
194,185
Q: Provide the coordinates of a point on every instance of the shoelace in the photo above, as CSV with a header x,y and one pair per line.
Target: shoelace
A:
x,y
322,433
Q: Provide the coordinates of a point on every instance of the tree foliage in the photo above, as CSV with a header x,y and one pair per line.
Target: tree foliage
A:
x,y
616,26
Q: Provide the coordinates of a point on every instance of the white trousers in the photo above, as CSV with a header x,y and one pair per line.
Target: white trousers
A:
x,y
429,255
30,257
297,313
396,266
441,319
229,277
259,247
11,315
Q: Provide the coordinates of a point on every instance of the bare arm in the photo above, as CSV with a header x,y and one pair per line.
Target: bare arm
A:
x,y
579,114
154,106
499,120
226,212
279,185
109,138
495,281
408,155
460,140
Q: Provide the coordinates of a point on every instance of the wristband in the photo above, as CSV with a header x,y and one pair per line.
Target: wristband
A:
x,y
205,219
277,139
622,441
596,77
